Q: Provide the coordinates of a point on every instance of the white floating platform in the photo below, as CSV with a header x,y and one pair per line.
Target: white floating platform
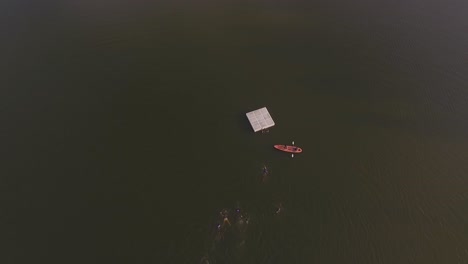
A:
x,y
260,119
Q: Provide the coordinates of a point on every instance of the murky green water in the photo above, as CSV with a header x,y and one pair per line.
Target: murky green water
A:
x,y
124,132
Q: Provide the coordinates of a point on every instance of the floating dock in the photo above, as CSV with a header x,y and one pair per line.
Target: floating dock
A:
x,y
260,119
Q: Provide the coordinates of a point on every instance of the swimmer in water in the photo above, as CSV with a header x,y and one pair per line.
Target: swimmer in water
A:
x,y
265,173
224,214
279,208
226,220
205,260
220,227
220,233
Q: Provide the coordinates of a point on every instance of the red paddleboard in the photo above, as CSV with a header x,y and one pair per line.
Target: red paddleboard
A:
x,y
290,149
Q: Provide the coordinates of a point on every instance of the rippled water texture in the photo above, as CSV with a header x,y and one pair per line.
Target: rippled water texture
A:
x,y
124,131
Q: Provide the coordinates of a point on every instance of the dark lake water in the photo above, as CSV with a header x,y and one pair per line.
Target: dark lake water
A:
x,y
124,132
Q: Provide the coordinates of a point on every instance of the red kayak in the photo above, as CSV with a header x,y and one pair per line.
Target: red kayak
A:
x,y
290,149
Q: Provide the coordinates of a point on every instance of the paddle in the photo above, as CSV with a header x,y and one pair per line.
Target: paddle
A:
x,y
292,155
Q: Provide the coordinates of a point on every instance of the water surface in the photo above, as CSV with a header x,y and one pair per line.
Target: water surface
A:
x,y
124,131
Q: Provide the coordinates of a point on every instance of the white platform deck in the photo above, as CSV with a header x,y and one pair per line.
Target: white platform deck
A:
x,y
260,119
